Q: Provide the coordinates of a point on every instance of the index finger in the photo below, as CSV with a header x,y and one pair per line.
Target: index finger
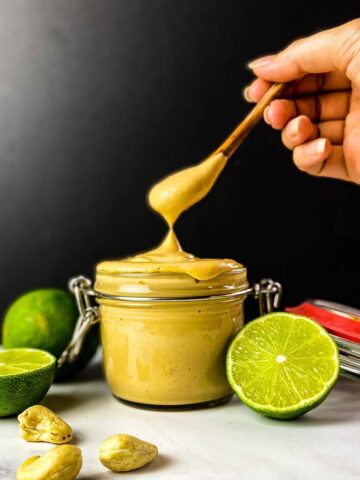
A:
x,y
312,83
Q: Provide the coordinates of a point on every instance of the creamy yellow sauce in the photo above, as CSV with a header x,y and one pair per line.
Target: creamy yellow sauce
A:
x,y
169,257
171,352
170,198
168,353
181,190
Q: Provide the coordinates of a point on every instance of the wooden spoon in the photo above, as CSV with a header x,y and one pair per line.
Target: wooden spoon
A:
x,y
179,191
235,139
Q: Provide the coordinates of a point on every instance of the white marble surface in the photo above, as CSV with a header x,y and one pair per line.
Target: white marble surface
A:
x,y
226,442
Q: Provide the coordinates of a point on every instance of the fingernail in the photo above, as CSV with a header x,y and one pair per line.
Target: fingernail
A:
x,y
260,62
318,147
246,94
295,127
266,115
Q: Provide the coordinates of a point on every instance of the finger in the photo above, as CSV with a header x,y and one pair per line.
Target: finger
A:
x,y
352,137
279,113
310,156
334,165
332,130
324,107
322,159
298,131
256,90
320,82
302,129
327,51
312,83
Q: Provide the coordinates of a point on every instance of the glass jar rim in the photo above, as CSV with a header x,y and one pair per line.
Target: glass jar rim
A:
x,y
167,285
227,295
166,274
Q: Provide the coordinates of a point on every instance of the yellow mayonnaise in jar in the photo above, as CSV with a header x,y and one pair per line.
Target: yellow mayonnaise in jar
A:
x,y
165,334
166,316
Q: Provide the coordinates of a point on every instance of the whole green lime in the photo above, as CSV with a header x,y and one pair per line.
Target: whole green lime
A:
x,y
45,319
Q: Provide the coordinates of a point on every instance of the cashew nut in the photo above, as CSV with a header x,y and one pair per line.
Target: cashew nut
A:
x,y
122,453
59,463
39,424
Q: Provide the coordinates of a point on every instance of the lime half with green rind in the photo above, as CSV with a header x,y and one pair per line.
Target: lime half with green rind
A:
x,y
282,365
26,375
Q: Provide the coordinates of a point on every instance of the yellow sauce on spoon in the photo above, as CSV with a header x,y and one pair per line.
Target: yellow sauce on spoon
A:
x,y
181,190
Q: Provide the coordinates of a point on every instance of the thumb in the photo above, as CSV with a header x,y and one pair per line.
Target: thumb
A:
x,y
334,49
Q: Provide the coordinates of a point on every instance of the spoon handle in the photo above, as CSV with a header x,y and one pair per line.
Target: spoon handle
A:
x,y
235,139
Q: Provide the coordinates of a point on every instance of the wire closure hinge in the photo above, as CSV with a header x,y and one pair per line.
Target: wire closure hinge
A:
x,y
268,294
88,316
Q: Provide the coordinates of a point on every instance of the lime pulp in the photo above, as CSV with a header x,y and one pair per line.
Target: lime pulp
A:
x,y
282,365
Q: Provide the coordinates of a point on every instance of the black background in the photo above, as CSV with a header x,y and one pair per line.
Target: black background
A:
x,y
100,98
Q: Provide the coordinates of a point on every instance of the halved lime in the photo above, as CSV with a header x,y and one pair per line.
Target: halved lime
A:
x,y
25,376
282,365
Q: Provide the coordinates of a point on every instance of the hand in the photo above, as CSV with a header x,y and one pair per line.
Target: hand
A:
x,y
319,115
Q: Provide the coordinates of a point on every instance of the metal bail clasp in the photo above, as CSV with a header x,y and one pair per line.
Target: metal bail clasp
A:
x,y
268,293
88,316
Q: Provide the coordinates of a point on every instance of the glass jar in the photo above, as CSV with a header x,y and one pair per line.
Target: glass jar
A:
x,y
168,348
165,336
